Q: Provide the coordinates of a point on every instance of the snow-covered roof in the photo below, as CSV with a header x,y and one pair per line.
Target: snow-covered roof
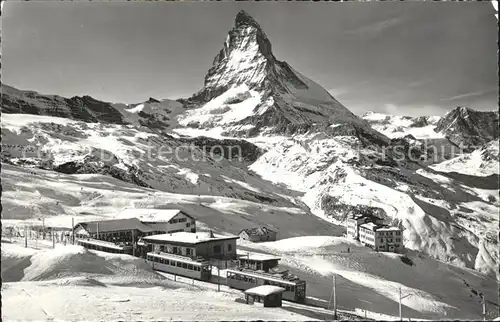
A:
x,y
150,214
115,225
187,237
389,229
369,225
103,244
265,290
256,256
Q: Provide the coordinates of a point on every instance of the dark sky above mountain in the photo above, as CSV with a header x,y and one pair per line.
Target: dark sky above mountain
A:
x,y
401,58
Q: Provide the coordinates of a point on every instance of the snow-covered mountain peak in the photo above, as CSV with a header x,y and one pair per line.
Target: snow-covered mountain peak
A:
x,y
469,127
243,18
245,58
248,92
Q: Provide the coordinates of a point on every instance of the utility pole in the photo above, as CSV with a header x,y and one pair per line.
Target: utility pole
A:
x,y
133,243
97,230
25,237
53,239
218,277
484,307
400,314
334,298
400,306
73,229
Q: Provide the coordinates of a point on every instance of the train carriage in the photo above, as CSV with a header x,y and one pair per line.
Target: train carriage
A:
x,y
180,265
295,290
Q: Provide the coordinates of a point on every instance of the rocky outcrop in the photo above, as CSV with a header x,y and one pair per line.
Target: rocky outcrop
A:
x,y
470,128
84,108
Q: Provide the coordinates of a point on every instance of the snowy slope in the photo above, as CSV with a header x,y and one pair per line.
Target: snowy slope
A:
x,y
337,179
29,194
125,152
400,126
481,162
73,283
369,280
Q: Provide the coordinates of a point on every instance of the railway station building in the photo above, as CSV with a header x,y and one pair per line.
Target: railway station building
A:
x,y
206,245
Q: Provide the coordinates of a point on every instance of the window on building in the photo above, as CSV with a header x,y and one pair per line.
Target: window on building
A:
x,y
398,239
188,224
174,250
190,266
182,219
179,264
188,251
217,249
229,247
173,221
172,263
184,265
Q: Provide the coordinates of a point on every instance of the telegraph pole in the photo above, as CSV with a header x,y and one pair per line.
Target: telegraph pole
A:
x,y
73,229
400,306
400,313
218,277
484,307
334,298
25,237
133,243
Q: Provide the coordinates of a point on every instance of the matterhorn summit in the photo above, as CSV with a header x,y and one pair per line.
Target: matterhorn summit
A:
x,y
248,91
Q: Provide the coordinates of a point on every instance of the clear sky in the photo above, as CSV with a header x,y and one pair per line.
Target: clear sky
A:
x,y
416,58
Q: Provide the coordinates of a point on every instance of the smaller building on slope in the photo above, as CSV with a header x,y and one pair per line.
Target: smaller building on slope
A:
x,y
258,234
163,221
269,295
381,238
354,221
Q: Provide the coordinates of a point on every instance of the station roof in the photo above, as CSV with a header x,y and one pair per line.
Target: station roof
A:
x,y
187,237
115,225
103,243
150,214
256,256
265,290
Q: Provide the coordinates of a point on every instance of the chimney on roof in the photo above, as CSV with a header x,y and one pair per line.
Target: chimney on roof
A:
x,y
211,234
